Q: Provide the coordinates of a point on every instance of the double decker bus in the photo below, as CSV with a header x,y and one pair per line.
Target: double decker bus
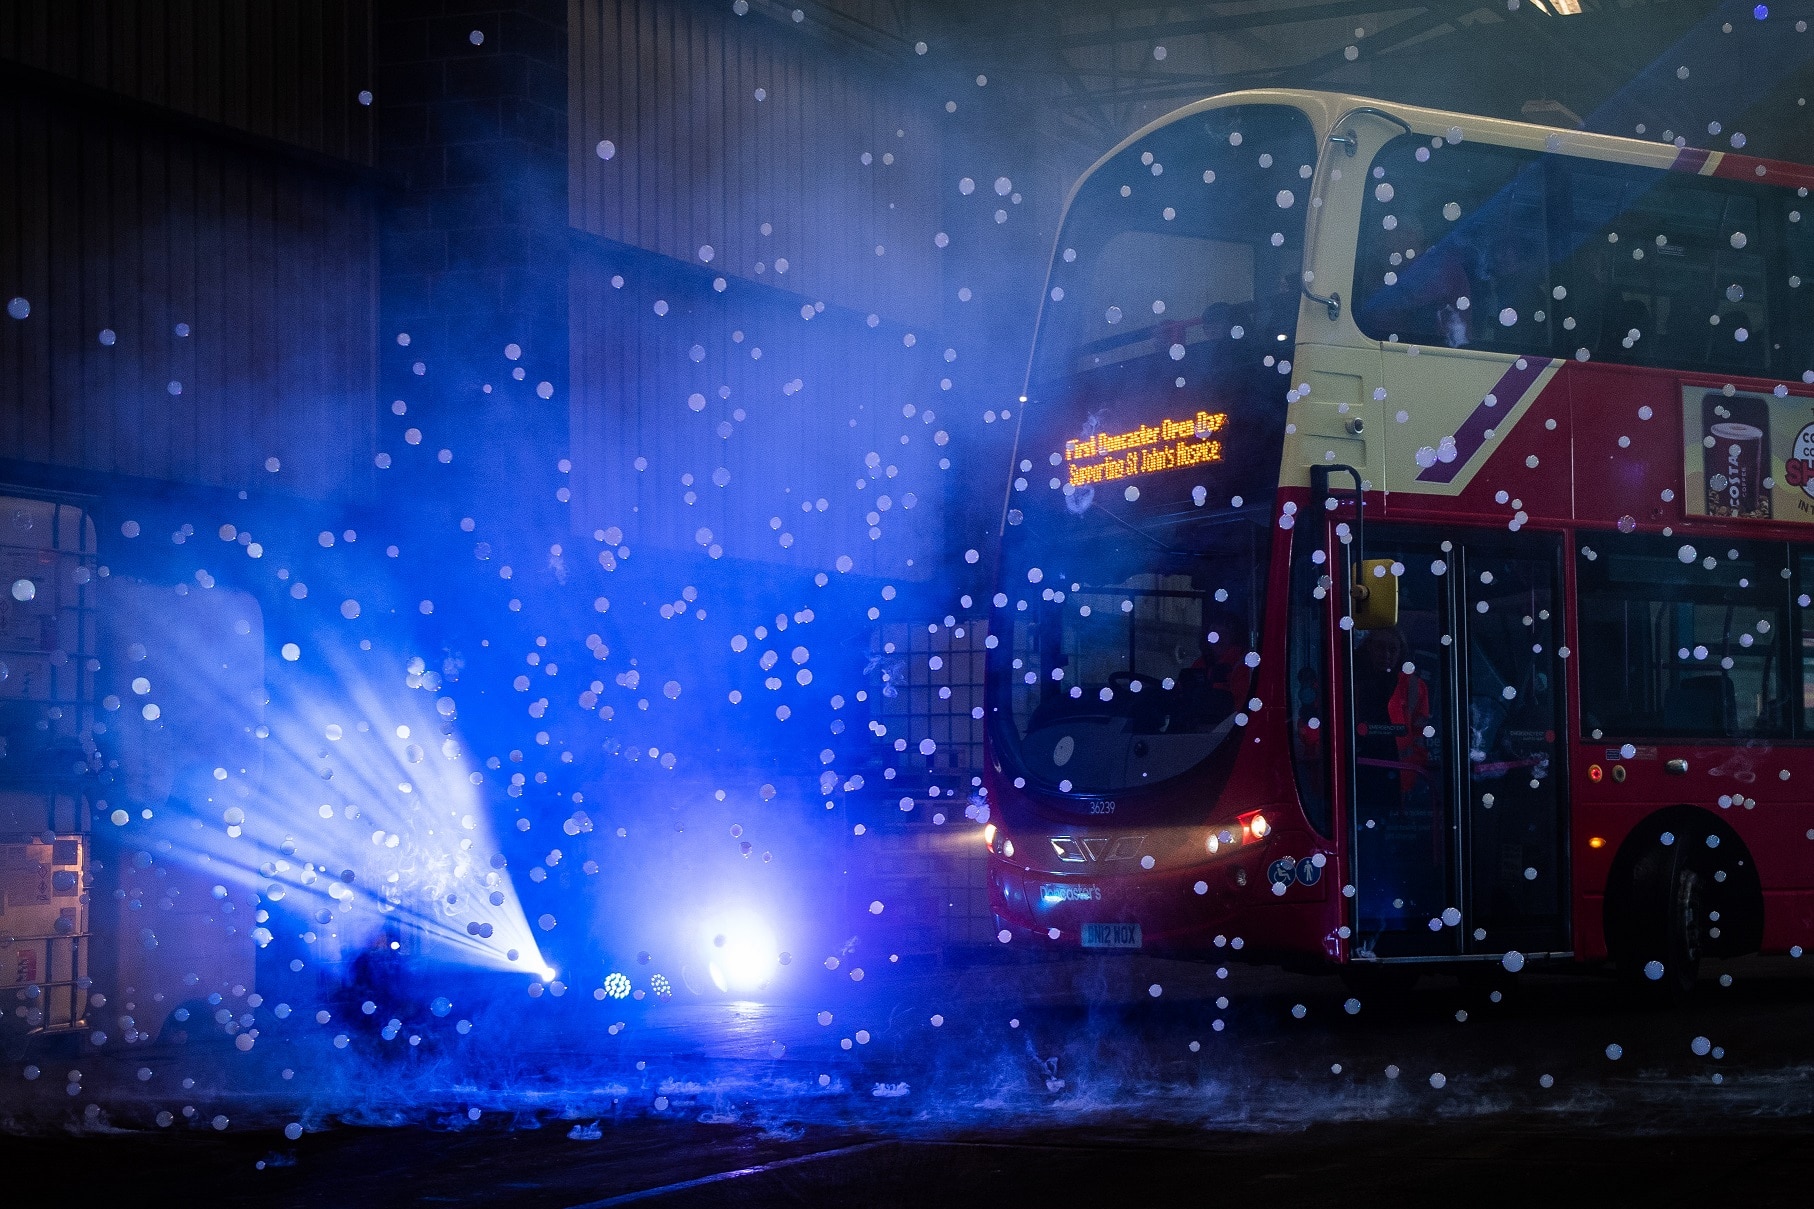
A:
x,y
1408,550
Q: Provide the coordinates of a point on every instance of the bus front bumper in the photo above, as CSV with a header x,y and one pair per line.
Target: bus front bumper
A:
x,y
1181,909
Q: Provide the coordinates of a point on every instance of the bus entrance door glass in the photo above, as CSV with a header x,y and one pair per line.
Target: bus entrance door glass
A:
x,y
1455,803
1515,877
1401,762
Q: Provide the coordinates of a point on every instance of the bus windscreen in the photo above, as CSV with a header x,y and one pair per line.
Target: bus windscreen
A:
x,y
1129,663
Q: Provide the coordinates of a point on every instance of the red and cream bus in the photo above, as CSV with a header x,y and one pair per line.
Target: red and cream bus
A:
x,y
1408,550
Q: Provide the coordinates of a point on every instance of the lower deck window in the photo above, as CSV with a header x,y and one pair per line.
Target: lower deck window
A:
x,y
1683,637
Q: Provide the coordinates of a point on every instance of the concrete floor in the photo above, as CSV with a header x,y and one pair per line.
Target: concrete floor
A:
x,y
1466,1162
1060,1079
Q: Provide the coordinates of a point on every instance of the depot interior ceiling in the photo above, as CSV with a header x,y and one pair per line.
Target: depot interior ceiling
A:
x,y
1117,65
1097,70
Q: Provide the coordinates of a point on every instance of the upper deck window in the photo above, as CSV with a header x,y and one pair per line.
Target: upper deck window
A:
x,y
1479,246
1453,244
1177,272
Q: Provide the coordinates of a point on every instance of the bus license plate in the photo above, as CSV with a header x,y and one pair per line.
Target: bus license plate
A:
x,y
1111,936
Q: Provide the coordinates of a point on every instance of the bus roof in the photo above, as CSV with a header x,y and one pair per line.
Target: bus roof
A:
x,y
1327,109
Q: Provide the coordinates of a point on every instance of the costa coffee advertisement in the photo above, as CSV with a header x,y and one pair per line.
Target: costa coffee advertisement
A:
x,y
1748,455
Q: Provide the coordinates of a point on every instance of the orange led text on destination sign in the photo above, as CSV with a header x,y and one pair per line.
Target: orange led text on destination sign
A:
x,y
1148,449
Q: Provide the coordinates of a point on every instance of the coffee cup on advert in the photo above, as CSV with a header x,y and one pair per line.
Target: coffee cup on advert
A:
x,y
1738,459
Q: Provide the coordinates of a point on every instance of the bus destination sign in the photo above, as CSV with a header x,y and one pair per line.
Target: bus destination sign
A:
x,y
1104,457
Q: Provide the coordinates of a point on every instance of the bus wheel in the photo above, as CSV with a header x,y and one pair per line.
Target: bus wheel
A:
x,y
1665,913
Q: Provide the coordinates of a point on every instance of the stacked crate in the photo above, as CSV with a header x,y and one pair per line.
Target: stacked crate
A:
x,y
931,879
921,856
47,727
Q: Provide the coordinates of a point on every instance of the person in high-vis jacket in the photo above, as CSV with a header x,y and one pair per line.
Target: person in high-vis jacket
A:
x,y
1391,710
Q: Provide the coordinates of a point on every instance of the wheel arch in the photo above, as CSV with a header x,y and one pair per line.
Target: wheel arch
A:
x,y
1729,871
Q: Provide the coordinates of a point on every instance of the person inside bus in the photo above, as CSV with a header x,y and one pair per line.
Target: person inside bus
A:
x,y
1238,338
1206,689
1395,796
1424,304
1727,351
1624,318
1218,319
1509,273
1392,704
1308,718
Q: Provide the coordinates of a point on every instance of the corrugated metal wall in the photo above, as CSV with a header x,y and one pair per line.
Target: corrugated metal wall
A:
x,y
115,226
289,70
697,160
739,383
676,386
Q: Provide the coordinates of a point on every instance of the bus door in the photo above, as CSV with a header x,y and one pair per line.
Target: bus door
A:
x,y
1454,806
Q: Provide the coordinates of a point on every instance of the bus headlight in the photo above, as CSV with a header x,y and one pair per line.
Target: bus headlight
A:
x,y
1220,838
989,836
1253,826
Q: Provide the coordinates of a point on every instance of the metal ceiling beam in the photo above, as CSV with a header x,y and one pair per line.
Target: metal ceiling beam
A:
x,y
1576,44
1298,15
1307,71
1017,18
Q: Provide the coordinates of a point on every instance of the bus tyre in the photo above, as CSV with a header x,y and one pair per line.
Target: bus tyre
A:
x,y
1665,914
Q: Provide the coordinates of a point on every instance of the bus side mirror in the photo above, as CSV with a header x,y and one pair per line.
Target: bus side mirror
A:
x,y
1375,595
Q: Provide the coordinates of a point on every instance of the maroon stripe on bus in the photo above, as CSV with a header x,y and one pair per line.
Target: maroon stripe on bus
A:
x,y
1780,173
1506,394
1736,167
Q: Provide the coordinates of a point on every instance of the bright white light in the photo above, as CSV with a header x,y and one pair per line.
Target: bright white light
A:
x,y
742,953
548,973
437,882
